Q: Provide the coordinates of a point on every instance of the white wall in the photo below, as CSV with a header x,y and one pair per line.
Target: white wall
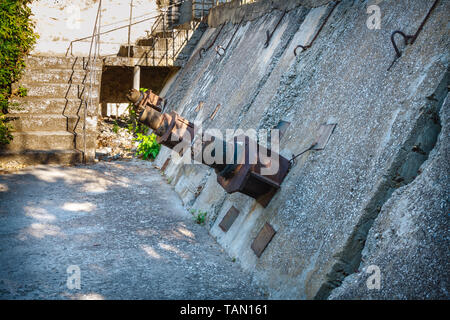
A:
x,y
58,22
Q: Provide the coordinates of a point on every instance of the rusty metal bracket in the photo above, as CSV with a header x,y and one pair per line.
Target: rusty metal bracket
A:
x,y
269,35
203,50
218,48
409,39
306,47
241,174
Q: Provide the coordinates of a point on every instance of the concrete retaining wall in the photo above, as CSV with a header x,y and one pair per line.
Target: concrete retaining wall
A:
x,y
364,187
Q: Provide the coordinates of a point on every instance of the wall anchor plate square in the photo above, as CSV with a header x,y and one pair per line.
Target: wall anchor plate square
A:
x,y
282,126
166,163
324,133
262,239
229,218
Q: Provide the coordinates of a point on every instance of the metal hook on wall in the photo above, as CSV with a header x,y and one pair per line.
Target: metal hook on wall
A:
x,y
203,50
269,35
219,47
409,39
306,47
299,46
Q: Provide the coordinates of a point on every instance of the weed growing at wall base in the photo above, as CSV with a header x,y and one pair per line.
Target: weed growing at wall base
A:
x,y
148,147
200,217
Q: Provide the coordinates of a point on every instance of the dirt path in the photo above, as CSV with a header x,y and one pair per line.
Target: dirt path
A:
x,y
121,224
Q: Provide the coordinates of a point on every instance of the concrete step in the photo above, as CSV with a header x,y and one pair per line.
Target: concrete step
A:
x,y
41,140
91,139
37,105
58,90
57,76
141,51
145,42
150,53
11,159
43,62
44,122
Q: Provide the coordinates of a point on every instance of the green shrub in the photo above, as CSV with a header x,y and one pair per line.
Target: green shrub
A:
x,y
148,147
16,41
22,92
5,130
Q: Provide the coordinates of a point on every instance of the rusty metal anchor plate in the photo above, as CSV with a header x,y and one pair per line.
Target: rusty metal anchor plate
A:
x,y
262,239
229,218
325,131
166,163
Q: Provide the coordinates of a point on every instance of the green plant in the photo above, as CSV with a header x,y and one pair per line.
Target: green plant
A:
x,y
148,147
116,127
5,130
16,41
22,92
133,125
200,217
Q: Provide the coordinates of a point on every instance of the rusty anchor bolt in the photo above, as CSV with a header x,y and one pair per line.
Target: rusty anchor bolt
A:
x,y
220,50
407,38
304,48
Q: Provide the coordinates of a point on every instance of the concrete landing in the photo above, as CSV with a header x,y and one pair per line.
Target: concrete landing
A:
x,y
121,224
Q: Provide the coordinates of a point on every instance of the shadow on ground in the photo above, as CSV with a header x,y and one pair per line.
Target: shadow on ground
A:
x,y
121,224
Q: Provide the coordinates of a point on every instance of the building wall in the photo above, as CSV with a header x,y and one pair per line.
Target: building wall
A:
x,y
62,21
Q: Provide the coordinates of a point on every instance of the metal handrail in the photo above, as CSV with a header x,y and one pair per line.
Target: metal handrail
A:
x,y
128,25
105,32
89,69
175,50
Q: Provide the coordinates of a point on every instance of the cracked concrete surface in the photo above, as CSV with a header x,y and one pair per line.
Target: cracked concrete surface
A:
x,y
122,224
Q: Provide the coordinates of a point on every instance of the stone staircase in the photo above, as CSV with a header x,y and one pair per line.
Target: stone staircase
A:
x,y
169,43
48,121
147,52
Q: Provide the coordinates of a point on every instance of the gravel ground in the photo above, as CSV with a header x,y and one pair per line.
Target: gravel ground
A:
x,y
121,224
